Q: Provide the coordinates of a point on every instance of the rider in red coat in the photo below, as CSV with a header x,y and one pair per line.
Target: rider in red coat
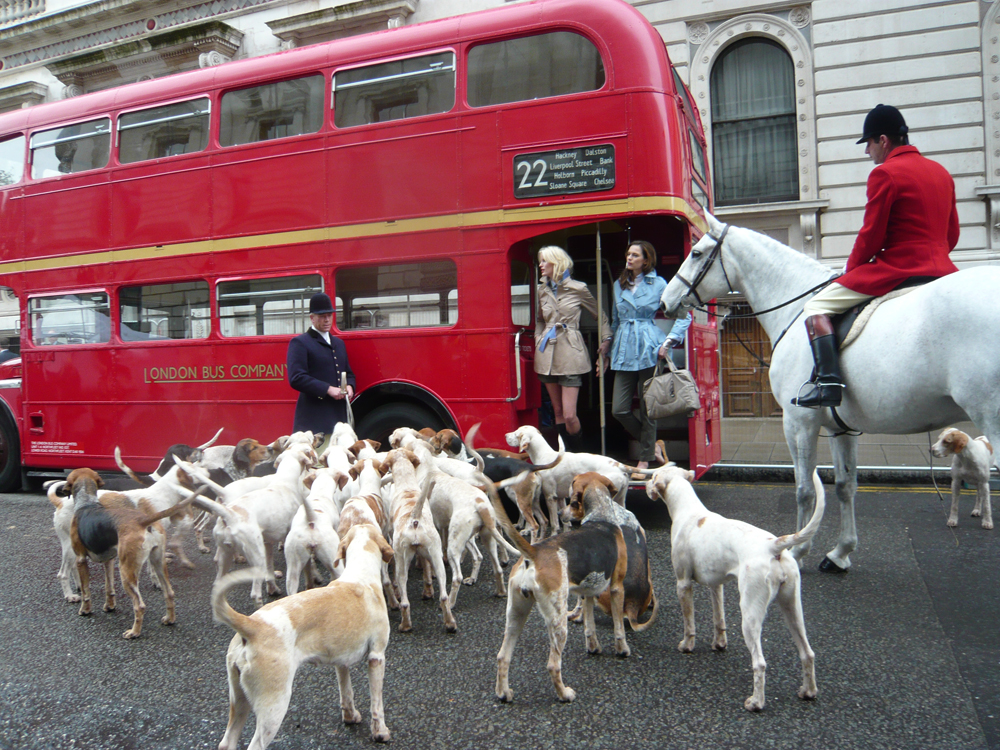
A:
x,y
910,227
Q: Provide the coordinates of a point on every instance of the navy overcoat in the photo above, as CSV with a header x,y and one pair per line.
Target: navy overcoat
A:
x,y
313,366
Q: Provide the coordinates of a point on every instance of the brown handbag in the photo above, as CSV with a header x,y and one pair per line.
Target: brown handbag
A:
x,y
667,394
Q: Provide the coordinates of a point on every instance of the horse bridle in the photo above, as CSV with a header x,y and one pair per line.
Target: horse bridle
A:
x,y
715,252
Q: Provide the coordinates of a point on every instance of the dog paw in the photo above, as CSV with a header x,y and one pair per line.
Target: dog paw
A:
x,y
720,645
469,581
623,650
686,646
952,522
807,694
975,513
380,734
568,695
593,648
351,716
505,694
167,620
204,550
987,524
752,704
130,635
73,598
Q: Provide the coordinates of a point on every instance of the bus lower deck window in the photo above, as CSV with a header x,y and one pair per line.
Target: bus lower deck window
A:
x,y
178,310
411,295
266,306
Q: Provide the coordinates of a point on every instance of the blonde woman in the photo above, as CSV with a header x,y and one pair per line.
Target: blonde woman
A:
x,y
561,356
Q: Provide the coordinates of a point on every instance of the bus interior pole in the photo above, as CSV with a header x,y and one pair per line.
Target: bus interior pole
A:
x,y
600,356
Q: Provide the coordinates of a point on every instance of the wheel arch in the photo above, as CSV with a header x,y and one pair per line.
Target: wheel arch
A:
x,y
395,391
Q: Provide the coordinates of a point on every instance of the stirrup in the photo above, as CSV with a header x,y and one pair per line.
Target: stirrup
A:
x,y
818,397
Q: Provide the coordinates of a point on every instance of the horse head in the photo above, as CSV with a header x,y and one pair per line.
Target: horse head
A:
x,y
701,276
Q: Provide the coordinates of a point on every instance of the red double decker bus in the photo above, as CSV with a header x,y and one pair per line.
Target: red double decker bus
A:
x,y
163,238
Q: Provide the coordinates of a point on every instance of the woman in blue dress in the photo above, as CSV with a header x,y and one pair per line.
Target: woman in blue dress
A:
x,y
638,342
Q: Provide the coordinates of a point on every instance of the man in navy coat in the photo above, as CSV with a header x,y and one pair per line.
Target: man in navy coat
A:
x,y
315,363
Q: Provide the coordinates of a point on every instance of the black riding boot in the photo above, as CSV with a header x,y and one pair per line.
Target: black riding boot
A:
x,y
826,389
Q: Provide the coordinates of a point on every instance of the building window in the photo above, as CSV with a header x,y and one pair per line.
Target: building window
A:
x,y
165,311
395,90
533,67
411,295
753,124
266,307
274,110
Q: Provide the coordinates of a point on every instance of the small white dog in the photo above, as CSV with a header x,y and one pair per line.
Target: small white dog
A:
x,y
710,549
970,461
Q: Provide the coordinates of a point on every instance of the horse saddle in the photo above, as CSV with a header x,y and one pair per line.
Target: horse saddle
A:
x,y
848,325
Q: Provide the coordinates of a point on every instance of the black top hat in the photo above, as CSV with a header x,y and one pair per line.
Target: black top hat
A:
x,y
320,304
884,120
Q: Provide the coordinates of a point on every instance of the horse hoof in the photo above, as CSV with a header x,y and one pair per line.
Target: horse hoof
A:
x,y
829,566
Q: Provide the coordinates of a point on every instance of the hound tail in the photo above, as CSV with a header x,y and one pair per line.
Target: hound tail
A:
x,y
57,492
633,617
808,531
131,474
223,612
425,493
174,509
211,442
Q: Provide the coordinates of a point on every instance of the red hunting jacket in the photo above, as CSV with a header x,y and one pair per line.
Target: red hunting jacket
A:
x,y
910,227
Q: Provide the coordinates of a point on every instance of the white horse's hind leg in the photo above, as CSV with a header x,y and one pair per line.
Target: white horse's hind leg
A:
x,y
844,449
801,438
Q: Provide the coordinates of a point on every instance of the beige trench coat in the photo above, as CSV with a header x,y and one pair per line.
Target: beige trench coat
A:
x,y
566,354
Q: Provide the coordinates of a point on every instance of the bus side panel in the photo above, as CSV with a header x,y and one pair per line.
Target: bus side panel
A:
x,y
12,234
399,172
654,123
71,408
705,427
480,162
76,211
184,392
263,188
162,202
550,126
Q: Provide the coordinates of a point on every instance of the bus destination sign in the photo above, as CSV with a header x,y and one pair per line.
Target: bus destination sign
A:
x,y
568,170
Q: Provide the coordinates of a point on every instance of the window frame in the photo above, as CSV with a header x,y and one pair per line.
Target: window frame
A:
x,y
124,113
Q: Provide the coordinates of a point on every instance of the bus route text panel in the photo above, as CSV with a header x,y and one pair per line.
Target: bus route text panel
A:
x,y
568,170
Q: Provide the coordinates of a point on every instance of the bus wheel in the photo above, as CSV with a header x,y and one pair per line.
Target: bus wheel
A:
x,y
10,455
379,423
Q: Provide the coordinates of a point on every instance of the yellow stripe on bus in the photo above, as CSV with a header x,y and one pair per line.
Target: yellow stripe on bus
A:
x,y
561,211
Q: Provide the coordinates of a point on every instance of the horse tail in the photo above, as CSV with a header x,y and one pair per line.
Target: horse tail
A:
x,y
808,531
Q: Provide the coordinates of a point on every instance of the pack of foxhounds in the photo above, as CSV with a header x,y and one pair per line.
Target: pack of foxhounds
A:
x,y
361,518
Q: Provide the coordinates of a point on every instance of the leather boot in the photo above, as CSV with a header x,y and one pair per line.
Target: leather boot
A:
x,y
826,388
574,442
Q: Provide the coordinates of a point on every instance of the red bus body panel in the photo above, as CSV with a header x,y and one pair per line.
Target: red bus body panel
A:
x,y
425,188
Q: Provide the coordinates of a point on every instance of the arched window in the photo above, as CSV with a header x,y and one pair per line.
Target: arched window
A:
x,y
753,124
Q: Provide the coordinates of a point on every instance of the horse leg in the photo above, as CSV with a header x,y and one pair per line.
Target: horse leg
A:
x,y
844,449
801,438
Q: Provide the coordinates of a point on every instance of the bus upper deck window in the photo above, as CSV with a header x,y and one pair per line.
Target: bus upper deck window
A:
x,y
180,128
266,307
74,148
79,318
11,160
178,310
394,90
274,110
533,67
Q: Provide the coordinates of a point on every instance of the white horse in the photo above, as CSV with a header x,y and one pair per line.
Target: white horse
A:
x,y
924,360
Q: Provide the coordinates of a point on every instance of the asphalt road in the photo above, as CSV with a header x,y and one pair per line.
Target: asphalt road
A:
x,y
907,654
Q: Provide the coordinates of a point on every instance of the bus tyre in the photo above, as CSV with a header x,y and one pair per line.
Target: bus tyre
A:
x,y
10,455
379,423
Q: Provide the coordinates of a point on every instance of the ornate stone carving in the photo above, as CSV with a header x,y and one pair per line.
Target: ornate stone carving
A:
x,y
799,17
